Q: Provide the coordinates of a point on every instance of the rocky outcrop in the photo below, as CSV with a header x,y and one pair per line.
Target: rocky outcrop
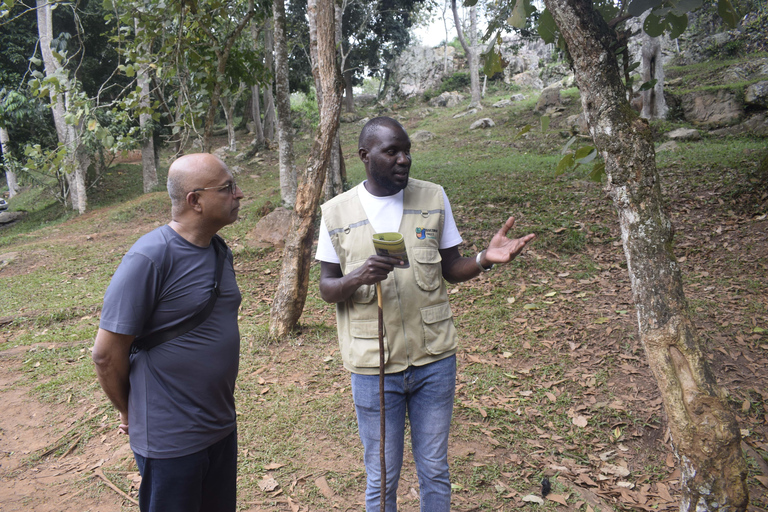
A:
x,y
712,109
446,99
271,230
757,94
550,97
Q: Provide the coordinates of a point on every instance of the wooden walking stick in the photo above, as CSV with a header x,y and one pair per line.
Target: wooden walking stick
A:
x,y
382,416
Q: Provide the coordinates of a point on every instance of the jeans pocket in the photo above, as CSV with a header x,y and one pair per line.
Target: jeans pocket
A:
x,y
364,346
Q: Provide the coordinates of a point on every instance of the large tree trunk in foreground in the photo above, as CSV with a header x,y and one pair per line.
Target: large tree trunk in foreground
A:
x,y
288,178
297,256
704,430
472,57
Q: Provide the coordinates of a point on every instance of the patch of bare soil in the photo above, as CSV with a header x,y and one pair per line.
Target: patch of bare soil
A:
x,y
33,476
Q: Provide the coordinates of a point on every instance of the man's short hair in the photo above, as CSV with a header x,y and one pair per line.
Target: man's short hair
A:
x,y
370,128
176,186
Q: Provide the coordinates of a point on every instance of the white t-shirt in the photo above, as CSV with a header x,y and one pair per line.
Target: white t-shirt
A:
x,y
385,214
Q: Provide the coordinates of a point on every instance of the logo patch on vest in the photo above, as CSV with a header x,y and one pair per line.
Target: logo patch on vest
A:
x,y
422,233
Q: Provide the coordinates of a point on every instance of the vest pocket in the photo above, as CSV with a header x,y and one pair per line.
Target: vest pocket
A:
x,y
365,293
438,328
428,271
364,345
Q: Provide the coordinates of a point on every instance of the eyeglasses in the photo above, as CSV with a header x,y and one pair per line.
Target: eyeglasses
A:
x,y
231,186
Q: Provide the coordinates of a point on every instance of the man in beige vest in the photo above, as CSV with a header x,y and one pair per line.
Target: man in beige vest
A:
x,y
420,339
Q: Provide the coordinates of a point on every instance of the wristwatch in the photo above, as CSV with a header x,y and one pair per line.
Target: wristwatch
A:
x,y
480,265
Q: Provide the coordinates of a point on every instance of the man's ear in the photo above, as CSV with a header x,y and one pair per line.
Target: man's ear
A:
x,y
363,154
193,201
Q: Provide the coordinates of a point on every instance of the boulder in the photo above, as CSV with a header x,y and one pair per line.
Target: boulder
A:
x,y
577,123
550,97
465,113
422,136
756,126
684,134
757,94
670,145
365,100
528,80
502,103
272,229
446,99
714,109
7,217
517,97
483,123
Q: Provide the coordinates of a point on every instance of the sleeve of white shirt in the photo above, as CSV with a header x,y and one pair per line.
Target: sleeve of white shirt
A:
x,y
451,236
325,251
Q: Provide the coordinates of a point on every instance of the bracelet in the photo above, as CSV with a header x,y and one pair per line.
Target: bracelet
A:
x,y
480,265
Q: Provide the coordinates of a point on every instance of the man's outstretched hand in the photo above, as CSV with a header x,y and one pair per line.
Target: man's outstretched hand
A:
x,y
503,249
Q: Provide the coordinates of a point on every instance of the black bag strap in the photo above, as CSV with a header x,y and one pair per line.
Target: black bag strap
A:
x,y
156,338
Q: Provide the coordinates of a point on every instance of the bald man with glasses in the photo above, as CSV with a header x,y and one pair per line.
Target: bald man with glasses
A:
x,y
167,349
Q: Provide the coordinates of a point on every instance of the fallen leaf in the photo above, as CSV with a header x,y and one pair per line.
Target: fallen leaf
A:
x,y
325,489
612,469
579,420
558,498
532,498
268,484
272,466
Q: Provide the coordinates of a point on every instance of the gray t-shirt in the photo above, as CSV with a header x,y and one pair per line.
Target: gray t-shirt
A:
x,y
181,396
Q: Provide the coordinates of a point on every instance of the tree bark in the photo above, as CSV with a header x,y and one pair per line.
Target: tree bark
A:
x,y
288,178
77,159
269,100
148,162
297,256
10,176
472,56
704,430
255,90
654,105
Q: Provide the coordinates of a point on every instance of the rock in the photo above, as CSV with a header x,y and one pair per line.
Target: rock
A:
x,y
365,100
446,99
7,217
485,122
517,97
271,229
550,97
757,94
363,121
670,145
236,169
756,126
222,152
577,123
714,109
528,80
554,74
422,136
502,103
465,113
684,134
8,257
348,117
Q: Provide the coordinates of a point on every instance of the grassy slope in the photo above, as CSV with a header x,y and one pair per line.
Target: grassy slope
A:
x,y
547,342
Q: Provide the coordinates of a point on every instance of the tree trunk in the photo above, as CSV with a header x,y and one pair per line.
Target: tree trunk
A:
x,y
654,105
269,100
77,160
704,430
148,162
445,43
288,178
472,56
10,176
258,130
349,97
229,115
297,256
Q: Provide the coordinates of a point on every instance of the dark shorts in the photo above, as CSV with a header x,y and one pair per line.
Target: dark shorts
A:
x,y
205,481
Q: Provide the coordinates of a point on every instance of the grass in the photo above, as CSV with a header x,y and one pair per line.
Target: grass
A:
x,y
521,383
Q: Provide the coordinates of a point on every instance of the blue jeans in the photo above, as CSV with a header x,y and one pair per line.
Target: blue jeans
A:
x,y
426,393
205,481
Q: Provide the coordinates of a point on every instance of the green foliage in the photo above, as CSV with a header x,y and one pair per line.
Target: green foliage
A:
x,y
456,82
305,114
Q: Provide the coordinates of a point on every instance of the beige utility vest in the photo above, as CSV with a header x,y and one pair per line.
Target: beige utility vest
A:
x,y
418,323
